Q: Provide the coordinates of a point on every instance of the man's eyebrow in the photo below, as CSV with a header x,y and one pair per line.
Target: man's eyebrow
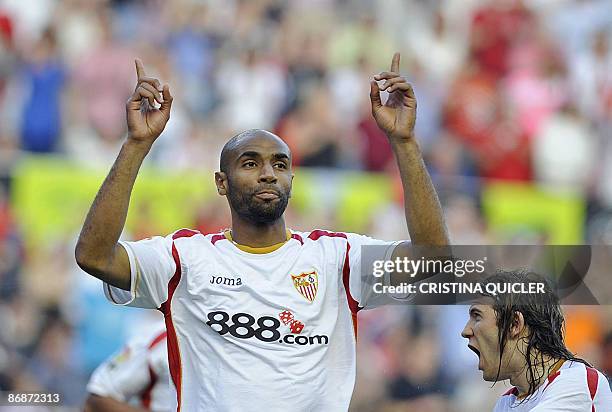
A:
x,y
248,154
280,156
475,311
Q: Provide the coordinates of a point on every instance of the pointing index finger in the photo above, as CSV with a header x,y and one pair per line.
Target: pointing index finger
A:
x,y
139,69
395,63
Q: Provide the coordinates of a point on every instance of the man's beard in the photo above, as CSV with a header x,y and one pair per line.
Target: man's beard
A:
x,y
256,211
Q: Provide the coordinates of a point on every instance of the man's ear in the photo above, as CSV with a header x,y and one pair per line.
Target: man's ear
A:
x,y
291,186
221,183
517,326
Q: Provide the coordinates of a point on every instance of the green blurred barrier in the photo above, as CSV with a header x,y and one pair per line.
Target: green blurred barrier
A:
x,y
52,196
513,207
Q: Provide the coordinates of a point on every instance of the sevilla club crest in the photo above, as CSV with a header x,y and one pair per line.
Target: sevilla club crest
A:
x,y
307,284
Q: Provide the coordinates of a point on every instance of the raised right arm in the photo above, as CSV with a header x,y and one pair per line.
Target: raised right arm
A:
x,y
97,251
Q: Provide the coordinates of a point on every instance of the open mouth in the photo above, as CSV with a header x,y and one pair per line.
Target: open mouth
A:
x,y
476,351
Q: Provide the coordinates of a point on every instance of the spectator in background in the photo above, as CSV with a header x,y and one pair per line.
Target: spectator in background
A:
x,y
44,75
481,118
11,250
6,49
103,79
592,75
564,150
191,50
53,366
418,383
495,26
252,90
311,130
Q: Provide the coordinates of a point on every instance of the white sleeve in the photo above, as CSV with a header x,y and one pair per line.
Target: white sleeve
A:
x,y
151,268
122,376
361,278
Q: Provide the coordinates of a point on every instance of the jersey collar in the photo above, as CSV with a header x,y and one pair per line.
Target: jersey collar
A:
x,y
256,250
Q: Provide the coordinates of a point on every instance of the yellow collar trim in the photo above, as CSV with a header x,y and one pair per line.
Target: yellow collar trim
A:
x,y
256,250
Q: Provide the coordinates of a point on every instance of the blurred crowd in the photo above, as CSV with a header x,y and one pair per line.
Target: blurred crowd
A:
x,y
507,90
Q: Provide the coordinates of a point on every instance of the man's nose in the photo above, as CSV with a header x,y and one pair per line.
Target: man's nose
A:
x,y
467,331
267,174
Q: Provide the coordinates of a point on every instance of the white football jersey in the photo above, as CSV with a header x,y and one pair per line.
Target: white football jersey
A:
x,y
138,374
272,330
573,388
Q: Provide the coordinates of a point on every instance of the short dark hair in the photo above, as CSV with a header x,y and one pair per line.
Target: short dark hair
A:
x,y
542,314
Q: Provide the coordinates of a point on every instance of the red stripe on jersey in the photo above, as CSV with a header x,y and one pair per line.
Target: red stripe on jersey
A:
x,y
316,234
553,377
216,238
297,237
158,339
145,397
511,391
174,355
346,268
184,233
592,380
346,271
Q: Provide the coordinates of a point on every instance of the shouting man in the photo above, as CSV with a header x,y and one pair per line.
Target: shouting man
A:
x,y
520,337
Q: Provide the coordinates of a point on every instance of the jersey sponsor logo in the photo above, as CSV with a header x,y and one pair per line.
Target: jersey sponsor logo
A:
x,y
289,320
307,284
265,329
222,280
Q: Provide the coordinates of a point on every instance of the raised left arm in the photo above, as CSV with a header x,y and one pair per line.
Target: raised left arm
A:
x,y
397,118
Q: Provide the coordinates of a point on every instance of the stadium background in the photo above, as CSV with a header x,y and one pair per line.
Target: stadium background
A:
x,y
514,118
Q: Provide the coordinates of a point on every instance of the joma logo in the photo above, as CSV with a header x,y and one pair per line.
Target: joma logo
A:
x,y
222,280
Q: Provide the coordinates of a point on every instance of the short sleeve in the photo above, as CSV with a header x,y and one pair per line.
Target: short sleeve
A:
x,y
360,278
151,268
122,376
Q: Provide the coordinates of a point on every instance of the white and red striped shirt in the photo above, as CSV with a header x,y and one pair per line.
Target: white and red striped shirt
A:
x,y
575,387
258,331
138,374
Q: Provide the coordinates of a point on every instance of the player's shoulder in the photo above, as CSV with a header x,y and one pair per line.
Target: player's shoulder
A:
x,y
574,380
186,233
589,378
187,236
575,373
330,235
319,235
